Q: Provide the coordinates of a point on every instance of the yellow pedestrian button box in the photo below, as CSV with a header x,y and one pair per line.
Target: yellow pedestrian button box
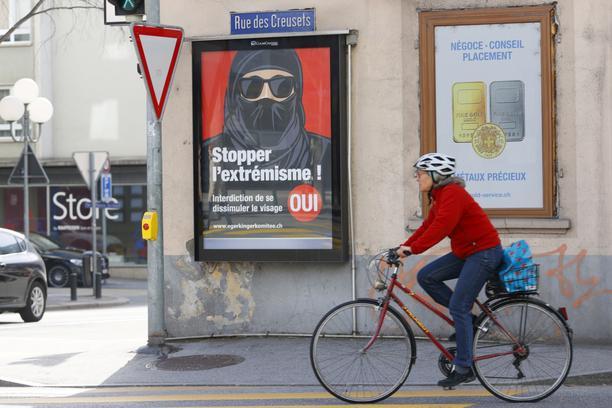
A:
x,y
149,226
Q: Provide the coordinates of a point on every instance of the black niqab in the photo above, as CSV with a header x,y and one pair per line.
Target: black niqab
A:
x,y
265,123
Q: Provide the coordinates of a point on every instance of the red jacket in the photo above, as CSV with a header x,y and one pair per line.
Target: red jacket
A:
x,y
456,215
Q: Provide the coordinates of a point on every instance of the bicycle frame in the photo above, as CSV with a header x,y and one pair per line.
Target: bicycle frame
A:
x,y
392,296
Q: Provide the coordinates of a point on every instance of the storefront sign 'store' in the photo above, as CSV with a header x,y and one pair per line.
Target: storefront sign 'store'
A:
x,y
76,209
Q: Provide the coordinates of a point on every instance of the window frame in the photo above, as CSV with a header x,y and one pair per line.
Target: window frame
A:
x,y
12,19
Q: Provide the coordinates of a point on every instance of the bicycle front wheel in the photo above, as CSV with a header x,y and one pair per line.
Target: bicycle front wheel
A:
x,y
341,361
525,357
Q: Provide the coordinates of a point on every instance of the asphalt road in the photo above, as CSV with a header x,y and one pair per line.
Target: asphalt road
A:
x,y
99,346
197,396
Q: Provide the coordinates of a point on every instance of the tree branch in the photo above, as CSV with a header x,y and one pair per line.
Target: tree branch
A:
x,y
66,8
34,11
7,35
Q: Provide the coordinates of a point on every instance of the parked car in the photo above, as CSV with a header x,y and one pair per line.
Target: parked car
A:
x,y
23,278
61,261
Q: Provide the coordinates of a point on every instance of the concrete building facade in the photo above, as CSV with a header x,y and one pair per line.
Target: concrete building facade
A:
x,y
572,246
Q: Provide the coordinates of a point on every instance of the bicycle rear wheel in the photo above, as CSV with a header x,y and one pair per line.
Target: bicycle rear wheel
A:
x,y
351,373
531,368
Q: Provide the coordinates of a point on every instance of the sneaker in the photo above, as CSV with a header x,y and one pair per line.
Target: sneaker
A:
x,y
456,378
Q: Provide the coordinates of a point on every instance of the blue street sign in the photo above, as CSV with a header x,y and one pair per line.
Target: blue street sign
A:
x,y
102,205
106,185
273,21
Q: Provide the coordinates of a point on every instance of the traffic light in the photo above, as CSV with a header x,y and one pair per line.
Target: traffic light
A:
x,y
128,7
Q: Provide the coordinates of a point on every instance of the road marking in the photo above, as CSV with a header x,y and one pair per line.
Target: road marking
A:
x,y
476,392
232,397
313,406
344,406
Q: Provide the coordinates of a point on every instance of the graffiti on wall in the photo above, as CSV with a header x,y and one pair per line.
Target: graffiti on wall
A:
x,y
580,289
566,269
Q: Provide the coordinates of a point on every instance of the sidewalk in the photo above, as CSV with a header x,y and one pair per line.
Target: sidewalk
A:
x,y
114,360
256,361
59,299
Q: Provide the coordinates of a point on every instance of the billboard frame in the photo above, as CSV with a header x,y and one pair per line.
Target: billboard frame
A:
x,y
336,42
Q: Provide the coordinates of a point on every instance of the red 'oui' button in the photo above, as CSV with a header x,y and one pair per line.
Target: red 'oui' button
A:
x,y
145,227
305,203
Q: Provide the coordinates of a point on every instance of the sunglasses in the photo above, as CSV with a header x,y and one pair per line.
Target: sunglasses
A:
x,y
280,86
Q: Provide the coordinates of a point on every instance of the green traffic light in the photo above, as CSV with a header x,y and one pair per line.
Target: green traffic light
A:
x,y
128,5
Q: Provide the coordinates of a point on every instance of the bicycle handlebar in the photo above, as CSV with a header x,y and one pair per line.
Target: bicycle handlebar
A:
x,y
393,257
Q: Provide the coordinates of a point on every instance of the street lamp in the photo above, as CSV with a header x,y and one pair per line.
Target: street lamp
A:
x,y
25,102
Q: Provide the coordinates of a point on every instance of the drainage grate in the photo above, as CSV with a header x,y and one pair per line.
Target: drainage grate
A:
x,y
198,362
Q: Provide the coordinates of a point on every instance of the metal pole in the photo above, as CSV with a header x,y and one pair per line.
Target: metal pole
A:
x,y
93,186
48,210
351,40
155,257
26,181
97,274
103,231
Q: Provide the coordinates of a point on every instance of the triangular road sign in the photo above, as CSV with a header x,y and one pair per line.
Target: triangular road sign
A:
x,y
158,48
85,166
36,173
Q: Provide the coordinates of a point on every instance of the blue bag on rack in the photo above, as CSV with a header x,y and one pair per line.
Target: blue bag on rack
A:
x,y
518,272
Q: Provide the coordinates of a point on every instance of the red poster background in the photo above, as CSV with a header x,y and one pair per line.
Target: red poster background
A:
x,y
316,98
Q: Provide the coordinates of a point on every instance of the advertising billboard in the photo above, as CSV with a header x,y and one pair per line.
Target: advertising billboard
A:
x,y
269,148
488,104
487,98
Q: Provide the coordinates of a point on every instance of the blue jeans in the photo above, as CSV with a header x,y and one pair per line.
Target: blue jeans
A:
x,y
471,274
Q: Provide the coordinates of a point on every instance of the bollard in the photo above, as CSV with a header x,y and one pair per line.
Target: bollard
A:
x,y
98,284
73,285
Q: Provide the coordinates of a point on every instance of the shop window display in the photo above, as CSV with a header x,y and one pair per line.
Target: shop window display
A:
x,y
69,219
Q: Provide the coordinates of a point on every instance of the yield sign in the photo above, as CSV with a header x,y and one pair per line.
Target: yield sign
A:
x,y
88,162
158,48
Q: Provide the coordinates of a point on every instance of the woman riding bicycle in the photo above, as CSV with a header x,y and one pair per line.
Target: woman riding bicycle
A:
x,y
476,252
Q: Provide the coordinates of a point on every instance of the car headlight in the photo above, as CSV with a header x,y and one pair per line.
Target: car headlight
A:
x,y
77,262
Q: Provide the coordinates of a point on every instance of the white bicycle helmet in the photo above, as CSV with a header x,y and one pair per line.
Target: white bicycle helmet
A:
x,y
442,164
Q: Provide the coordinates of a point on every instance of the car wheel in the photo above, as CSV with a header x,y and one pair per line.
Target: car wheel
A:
x,y
35,305
58,276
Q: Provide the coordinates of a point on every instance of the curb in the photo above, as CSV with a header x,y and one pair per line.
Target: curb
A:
x,y
71,305
4,383
604,378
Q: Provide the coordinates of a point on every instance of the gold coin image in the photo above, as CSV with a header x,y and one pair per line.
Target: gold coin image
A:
x,y
488,141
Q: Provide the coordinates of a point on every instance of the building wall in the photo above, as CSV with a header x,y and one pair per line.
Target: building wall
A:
x,y
17,61
207,298
100,100
88,71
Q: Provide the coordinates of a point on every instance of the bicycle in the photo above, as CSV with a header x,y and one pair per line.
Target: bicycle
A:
x,y
362,351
